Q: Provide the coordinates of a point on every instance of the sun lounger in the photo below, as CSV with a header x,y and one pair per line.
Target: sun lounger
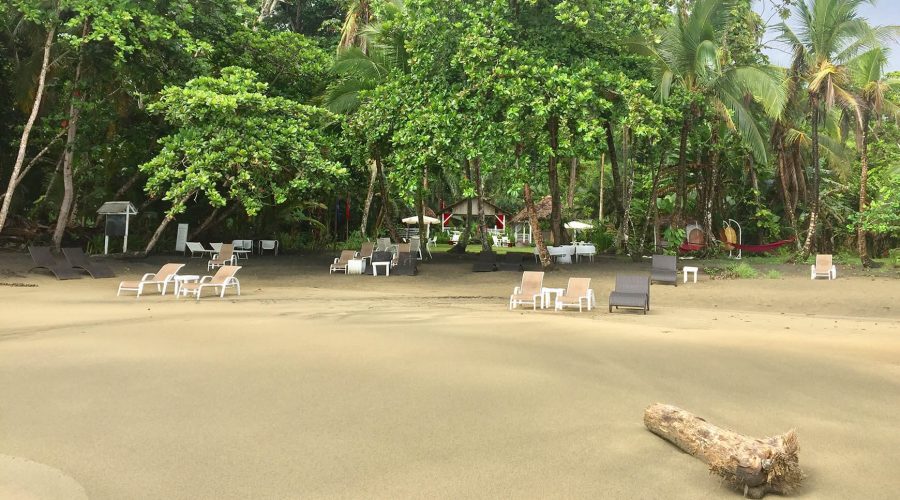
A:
x,y
268,245
823,267
77,259
225,256
632,290
223,279
487,262
161,279
512,261
366,251
664,269
406,264
578,293
383,260
340,263
197,249
43,259
382,244
530,291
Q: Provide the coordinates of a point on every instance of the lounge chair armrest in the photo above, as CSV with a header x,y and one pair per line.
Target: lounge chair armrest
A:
x,y
147,276
517,290
206,279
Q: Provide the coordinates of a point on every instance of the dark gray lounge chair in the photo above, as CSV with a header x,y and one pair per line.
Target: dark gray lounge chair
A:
x,y
664,269
406,264
77,259
511,261
379,256
43,259
487,262
632,290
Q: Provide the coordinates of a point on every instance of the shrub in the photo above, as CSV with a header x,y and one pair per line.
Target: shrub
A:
x,y
743,271
773,274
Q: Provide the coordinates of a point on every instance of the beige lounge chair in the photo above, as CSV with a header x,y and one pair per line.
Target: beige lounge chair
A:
x,y
161,279
529,292
225,256
823,267
366,251
401,249
578,293
340,263
223,279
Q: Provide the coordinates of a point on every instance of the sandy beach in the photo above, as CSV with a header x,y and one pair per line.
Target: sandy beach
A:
x,y
312,385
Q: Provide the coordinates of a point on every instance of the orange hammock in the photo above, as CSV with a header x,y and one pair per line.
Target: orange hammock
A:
x,y
768,247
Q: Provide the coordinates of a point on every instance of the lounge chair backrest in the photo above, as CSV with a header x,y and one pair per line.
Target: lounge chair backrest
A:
x,y
217,247
382,243
166,271
382,257
403,248
76,256
415,244
223,274
227,251
665,262
578,287
532,282
823,263
42,256
367,249
346,255
632,283
268,244
194,246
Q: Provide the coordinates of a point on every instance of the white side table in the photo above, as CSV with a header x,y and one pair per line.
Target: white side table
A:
x,y
181,279
689,270
545,296
387,267
356,266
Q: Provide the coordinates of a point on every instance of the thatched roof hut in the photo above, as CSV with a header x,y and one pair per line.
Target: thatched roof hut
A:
x,y
542,208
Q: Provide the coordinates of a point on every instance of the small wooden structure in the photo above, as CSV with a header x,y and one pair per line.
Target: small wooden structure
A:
x,y
461,209
117,218
521,226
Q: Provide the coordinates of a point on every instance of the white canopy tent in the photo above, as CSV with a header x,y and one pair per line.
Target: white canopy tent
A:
x,y
414,219
576,225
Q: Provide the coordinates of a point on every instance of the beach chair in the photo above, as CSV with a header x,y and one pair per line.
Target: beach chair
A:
x,y
512,261
77,259
43,259
268,245
415,247
223,279
340,263
197,249
383,260
161,279
823,267
432,242
401,248
217,247
632,290
382,244
406,264
578,293
487,262
366,251
664,269
588,251
223,257
529,292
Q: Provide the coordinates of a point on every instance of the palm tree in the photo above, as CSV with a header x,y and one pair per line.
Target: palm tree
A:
x,y
689,55
867,76
830,34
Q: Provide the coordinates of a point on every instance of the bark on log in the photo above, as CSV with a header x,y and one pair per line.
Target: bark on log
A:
x,y
753,466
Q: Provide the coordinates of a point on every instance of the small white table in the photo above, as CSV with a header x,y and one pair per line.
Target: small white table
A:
x,y
545,296
689,270
387,267
181,279
356,266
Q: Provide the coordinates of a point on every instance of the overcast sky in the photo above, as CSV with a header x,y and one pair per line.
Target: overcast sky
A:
x,y
884,12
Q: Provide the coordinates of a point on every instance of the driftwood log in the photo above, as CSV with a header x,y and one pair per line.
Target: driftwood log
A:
x,y
752,466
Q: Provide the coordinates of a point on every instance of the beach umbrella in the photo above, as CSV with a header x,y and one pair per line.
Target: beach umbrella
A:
x,y
576,225
414,219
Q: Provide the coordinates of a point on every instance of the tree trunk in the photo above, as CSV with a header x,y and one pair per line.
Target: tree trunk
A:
x,y
420,212
861,245
463,242
370,193
711,186
482,222
121,192
573,177
214,219
556,230
808,246
680,176
602,162
543,254
26,132
162,226
652,208
614,170
785,189
33,161
753,466
386,201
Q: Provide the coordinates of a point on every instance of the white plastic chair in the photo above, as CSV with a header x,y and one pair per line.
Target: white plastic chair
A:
x,y
585,251
268,245
823,267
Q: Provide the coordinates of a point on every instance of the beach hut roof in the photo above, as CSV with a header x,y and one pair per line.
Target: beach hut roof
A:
x,y
461,207
542,208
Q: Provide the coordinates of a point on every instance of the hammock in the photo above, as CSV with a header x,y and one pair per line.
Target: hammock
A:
x,y
768,247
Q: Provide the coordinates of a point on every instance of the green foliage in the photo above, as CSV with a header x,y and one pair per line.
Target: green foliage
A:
x,y
773,274
233,142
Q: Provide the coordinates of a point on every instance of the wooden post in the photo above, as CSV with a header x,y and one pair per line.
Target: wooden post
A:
x,y
753,466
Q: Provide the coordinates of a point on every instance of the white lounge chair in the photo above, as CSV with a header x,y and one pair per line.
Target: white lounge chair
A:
x,y
197,250
340,263
578,293
823,267
225,256
585,251
268,245
223,279
530,291
161,279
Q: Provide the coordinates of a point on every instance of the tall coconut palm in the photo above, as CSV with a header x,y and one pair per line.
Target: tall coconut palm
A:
x,y
829,34
689,55
871,86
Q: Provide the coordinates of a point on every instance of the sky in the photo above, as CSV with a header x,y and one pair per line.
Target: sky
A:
x,y
884,12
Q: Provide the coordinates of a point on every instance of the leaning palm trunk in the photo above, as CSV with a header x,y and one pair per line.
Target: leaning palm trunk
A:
x,y
26,132
482,223
163,224
808,245
543,254
370,194
861,245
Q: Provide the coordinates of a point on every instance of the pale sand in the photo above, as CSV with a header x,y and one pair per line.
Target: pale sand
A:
x,y
313,385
